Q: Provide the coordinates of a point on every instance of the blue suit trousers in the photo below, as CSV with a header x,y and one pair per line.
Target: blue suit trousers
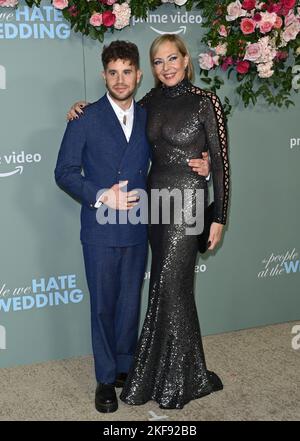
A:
x,y
114,276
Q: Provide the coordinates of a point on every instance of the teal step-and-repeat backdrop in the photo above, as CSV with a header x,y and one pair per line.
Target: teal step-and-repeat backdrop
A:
x,y
252,280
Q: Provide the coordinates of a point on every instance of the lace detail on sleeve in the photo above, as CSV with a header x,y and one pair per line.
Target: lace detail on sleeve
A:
x,y
216,133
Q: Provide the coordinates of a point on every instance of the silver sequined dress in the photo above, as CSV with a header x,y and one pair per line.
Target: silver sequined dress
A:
x,y
169,364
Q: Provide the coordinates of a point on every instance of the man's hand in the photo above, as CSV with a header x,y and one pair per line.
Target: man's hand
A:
x,y
76,110
215,235
200,166
120,200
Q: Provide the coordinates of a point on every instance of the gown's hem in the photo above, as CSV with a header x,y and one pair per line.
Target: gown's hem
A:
x,y
203,394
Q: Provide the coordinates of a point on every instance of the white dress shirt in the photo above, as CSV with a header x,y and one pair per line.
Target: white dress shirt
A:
x,y
128,114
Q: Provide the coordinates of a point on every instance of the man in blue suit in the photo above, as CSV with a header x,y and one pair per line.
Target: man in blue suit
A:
x,y
109,144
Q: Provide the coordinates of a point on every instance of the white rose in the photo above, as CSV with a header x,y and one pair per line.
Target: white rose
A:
x,y
206,61
180,2
221,49
235,10
265,70
268,17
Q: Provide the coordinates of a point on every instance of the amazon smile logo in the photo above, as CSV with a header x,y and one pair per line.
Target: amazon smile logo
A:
x,y
179,20
16,162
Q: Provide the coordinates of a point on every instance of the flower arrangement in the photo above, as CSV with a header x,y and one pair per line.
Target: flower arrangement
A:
x,y
258,41
8,3
95,17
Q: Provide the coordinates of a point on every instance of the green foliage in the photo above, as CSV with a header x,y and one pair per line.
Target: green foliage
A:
x,y
275,90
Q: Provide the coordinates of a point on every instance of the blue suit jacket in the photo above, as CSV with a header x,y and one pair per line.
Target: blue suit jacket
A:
x,y
96,144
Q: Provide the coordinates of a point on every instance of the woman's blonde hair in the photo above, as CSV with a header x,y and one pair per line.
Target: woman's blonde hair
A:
x,y
182,48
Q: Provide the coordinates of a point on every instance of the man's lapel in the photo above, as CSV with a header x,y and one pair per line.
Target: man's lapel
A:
x,y
136,130
114,125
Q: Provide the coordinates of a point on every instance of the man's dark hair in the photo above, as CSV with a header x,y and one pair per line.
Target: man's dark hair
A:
x,y
121,50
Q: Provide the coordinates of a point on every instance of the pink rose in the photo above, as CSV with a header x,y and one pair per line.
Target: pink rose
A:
x,y
108,18
223,31
206,61
216,60
96,19
265,27
60,4
247,26
248,4
242,67
8,3
253,52
278,23
268,16
235,10
291,31
267,21
221,49
290,18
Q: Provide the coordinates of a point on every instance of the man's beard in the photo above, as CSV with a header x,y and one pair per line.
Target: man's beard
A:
x,y
117,97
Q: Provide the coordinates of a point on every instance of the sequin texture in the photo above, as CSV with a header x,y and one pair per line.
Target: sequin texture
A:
x,y
169,364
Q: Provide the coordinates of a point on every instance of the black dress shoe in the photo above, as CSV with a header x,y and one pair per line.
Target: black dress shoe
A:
x,y
215,381
105,398
120,380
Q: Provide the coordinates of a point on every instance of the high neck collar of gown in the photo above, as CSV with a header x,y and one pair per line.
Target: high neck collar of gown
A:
x,y
179,89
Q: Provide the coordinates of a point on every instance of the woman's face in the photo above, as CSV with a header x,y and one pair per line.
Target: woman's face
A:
x,y
168,64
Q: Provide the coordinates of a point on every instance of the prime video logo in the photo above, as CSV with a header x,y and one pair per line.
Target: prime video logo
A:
x,y
17,161
39,23
294,142
180,19
2,77
2,337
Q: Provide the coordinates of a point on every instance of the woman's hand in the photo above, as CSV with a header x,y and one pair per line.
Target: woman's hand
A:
x,y
200,166
76,110
215,235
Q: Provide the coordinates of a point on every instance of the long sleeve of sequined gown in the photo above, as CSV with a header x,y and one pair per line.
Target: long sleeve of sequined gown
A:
x,y
169,364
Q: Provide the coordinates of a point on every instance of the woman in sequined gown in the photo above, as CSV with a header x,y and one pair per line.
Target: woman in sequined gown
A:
x,y
183,121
